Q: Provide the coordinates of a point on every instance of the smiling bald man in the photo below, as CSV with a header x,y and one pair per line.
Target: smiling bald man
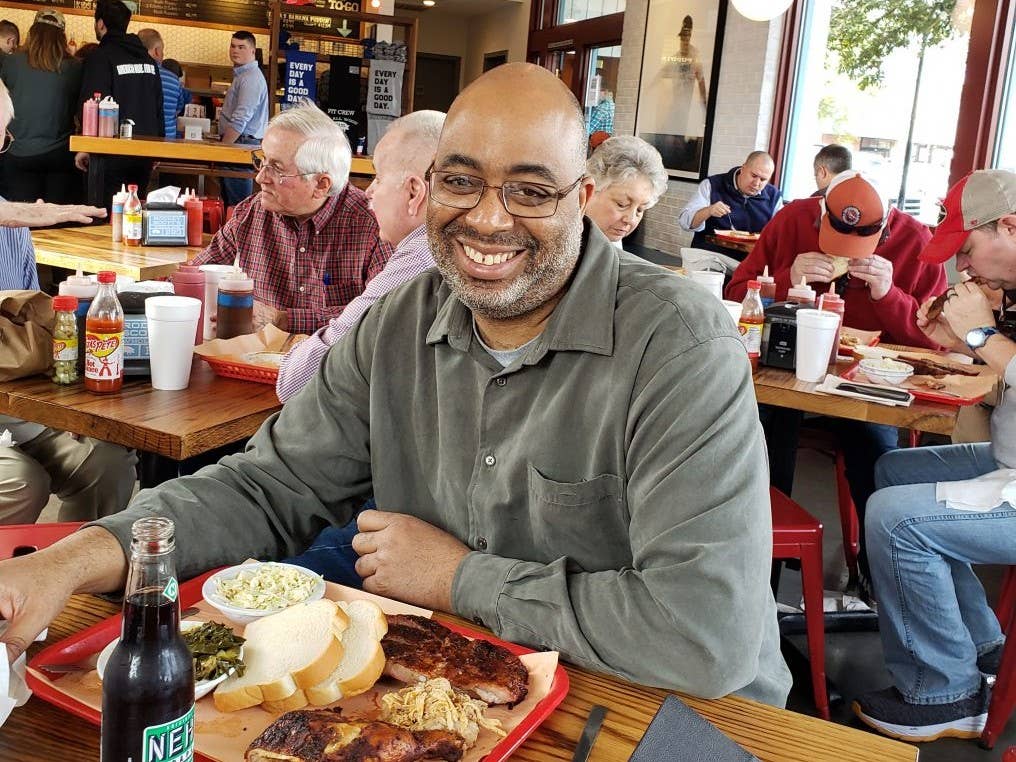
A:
x,y
530,420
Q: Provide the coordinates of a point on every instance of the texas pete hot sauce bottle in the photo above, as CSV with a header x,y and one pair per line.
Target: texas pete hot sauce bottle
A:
x,y
104,339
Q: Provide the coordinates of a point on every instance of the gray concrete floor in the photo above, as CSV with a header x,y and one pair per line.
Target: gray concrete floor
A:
x,y
854,659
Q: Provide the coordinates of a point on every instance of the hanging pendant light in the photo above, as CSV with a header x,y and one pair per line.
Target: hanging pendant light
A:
x,y
761,10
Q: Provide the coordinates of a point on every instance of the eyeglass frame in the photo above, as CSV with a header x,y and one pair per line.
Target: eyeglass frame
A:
x,y
557,193
8,141
258,161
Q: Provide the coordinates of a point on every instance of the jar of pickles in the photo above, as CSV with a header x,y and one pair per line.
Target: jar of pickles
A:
x,y
65,340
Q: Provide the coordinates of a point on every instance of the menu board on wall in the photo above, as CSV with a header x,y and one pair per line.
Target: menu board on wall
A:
x,y
238,14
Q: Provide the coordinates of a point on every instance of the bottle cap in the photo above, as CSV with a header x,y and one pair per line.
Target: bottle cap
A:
x,y
65,303
132,188
754,284
107,276
765,277
80,286
236,281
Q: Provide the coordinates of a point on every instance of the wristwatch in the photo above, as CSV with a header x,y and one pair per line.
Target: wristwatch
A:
x,y
978,337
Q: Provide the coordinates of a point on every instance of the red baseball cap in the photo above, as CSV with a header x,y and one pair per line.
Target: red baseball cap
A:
x,y
853,216
979,198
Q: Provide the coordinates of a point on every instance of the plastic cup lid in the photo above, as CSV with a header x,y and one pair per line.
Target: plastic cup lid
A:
x,y
172,308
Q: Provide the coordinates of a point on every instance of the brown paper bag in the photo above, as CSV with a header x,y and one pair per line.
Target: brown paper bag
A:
x,y
26,333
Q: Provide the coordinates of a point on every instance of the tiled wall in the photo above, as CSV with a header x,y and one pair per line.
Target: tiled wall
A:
x,y
744,102
184,43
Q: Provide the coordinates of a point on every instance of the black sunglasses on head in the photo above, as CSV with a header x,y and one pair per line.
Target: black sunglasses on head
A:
x,y
860,230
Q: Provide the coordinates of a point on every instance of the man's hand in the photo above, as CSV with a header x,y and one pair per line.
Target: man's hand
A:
x,y
264,315
408,559
719,209
876,271
39,214
81,161
938,330
813,266
32,594
965,309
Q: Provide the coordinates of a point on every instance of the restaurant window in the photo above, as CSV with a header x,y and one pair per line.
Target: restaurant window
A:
x,y
1005,143
896,108
601,86
570,11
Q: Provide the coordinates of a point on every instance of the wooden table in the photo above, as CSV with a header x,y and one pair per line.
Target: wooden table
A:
x,y
211,412
91,249
775,386
40,732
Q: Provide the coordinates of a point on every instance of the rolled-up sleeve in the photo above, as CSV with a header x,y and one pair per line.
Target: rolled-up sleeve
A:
x,y
699,201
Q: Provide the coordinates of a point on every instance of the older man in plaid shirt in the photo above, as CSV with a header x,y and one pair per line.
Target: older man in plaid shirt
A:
x,y
308,239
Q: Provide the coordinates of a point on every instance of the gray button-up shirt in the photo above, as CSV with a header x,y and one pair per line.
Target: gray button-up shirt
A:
x,y
612,481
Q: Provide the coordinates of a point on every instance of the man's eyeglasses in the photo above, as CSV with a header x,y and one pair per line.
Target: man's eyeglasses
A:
x,y
8,141
520,199
257,158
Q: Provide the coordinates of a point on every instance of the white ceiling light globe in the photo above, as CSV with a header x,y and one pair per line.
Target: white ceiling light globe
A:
x,y
761,10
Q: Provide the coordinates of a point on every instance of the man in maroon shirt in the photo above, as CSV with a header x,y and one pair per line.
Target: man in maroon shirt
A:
x,y
308,239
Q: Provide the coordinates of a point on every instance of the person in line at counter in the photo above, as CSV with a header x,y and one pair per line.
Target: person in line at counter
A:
x,y
940,509
398,197
40,214
629,178
44,81
122,68
538,465
740,199
830,161
308,239
172,91
882,283
244,114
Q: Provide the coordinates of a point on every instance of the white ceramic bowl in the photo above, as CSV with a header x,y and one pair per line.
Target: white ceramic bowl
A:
x,y
876,372
210,592
201,688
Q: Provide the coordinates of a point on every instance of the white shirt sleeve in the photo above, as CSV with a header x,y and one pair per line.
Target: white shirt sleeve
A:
x,y
700,200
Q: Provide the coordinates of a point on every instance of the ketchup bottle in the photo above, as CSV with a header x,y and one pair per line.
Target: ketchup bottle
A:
x,y
767,290
750,324
104,339
832,302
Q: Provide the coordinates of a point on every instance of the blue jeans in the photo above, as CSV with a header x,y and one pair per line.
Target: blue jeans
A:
x,y
236,189
331,554
933,616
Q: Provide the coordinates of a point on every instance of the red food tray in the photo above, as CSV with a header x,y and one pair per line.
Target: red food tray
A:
x,y
242,370
93,639
928,395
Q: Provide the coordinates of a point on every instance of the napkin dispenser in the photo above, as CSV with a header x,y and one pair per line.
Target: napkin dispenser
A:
x,y
136,352
779,335
164,224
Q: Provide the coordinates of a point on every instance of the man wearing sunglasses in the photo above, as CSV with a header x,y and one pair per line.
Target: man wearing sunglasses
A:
x,y
530,417
308,239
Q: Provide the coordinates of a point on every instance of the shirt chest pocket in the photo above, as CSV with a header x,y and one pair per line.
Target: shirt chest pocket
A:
x,y
339,293
585,521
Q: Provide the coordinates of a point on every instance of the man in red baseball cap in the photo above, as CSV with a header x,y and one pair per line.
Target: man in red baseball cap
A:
x,y
937,510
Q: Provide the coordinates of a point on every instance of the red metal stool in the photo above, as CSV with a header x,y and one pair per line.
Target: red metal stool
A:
x,y
1003,695
798,534
20,539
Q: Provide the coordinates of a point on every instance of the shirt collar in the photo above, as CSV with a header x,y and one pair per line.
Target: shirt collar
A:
x,y
250,66
418,235
583,320
322,216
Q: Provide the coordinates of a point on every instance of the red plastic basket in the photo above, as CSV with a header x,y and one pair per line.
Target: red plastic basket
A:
x,y
244,371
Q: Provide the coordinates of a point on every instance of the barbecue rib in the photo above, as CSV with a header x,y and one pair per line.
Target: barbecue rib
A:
x,y
937,368
324,735
935,309
418,648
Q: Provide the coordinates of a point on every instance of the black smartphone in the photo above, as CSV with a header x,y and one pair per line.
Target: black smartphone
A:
x,y
898,395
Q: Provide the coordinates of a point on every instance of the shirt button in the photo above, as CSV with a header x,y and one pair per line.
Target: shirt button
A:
x,y
301,289
490,460
481,543
501,381
478,620
303,249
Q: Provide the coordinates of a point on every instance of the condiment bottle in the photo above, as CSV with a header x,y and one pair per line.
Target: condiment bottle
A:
x,y
802,293
148,682
132,217
235,310
65,340
84,290
750,324
767,290
189,280
832,302
116,218
104,339
195,220
109,117
90,116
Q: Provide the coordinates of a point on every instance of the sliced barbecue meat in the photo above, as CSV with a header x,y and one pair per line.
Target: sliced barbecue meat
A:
x,y
324,735
418,648
937,368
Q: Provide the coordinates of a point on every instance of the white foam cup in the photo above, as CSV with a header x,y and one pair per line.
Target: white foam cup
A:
x,y
711,280
816,331
172,322
734,308
213,273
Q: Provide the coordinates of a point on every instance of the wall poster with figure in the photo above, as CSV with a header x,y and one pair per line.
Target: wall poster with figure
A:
x,y
677,87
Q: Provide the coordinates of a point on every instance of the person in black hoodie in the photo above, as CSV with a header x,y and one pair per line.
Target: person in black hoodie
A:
x,y
121,67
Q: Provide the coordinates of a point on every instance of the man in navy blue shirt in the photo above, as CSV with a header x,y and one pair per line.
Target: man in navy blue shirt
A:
x,y
172,91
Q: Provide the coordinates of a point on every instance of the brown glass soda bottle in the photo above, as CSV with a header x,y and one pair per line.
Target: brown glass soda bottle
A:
x,y
148,683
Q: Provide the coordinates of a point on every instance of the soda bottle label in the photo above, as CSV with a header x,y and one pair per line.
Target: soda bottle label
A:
x,y
171,590
65,349
751,336
171,741
103,355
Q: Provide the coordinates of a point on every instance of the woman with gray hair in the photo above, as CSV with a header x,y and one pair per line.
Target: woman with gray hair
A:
x,y
630,178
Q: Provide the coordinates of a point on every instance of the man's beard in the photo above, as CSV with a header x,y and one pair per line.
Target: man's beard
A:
x,y
548,267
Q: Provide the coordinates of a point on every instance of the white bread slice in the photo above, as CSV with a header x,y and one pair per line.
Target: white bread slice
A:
x,y
284,653
363,661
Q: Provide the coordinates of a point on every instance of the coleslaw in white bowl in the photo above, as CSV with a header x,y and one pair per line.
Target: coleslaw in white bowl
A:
x,y
250,591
